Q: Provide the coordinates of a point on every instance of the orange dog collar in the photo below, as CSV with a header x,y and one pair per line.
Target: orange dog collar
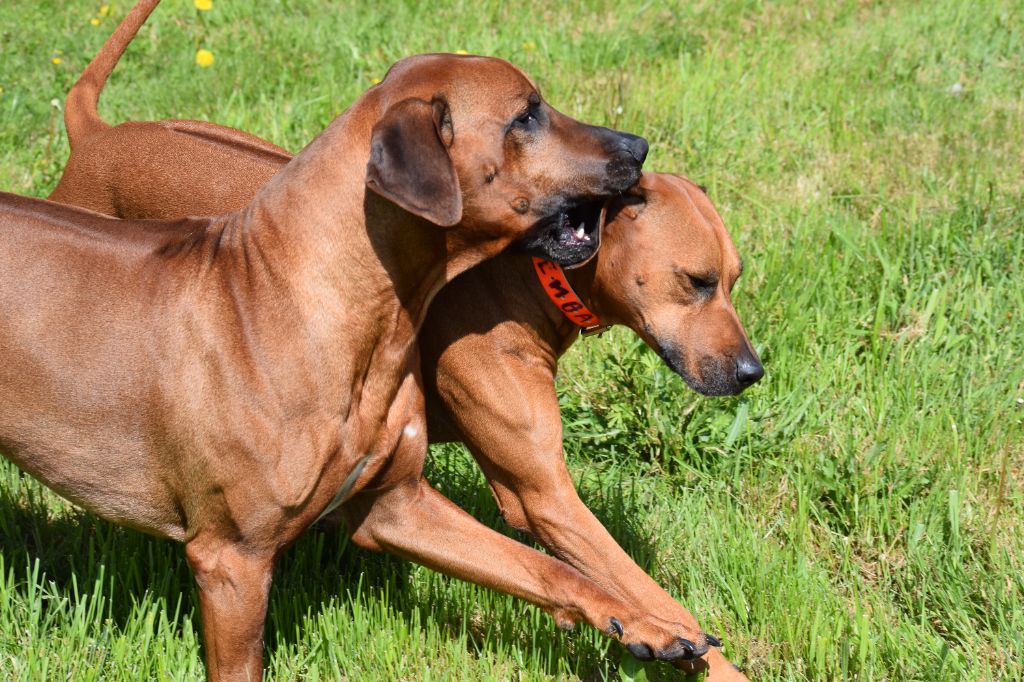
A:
x,y
556,286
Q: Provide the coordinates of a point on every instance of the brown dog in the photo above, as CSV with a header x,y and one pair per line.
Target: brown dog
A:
x,y
224,381
491,340
491,343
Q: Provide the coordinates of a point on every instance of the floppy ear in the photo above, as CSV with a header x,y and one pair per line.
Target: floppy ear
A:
x,y
630,204
409,161
633,201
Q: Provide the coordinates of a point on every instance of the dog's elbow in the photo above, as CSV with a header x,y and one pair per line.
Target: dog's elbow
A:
x,y
510,506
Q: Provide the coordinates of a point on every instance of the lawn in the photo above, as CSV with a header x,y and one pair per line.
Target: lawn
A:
x,y
856,515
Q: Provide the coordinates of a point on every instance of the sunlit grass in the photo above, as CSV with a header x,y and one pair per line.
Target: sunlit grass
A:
x,y
855,515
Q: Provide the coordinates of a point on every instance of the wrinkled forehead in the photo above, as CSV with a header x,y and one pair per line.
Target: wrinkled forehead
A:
x,y
476,88
683,215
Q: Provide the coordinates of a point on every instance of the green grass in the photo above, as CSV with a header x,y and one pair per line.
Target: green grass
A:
x,y
856,515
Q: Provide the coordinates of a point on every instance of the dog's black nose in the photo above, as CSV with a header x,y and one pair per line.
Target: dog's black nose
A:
x,y
748,369
636,146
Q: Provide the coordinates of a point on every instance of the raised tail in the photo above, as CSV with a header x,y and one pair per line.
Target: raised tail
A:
x,y
81,116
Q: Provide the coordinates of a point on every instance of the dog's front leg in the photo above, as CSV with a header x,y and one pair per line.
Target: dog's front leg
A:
x,y
541,499
514,431
234,587
415,521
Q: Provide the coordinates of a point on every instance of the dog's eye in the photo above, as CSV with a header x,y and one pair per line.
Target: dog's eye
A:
x,y
703,283
527,120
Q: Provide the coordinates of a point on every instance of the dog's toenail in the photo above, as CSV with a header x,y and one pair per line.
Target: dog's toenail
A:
x,y
690,650
616,626
713,641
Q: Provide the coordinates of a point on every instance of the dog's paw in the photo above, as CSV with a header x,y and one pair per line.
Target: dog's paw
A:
x,y
715,666
649,638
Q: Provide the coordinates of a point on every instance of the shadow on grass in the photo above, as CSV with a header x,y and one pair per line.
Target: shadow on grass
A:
x,y
78,553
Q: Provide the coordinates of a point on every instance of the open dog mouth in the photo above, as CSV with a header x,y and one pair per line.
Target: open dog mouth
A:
x,y
571,237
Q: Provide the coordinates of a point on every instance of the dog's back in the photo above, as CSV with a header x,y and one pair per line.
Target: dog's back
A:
x,y
166,170
155,169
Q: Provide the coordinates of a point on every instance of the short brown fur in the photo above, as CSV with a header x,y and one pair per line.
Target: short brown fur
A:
x,y
222,381
491,339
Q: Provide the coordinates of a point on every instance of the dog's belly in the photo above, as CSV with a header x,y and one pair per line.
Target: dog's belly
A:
x,y
75,369
117,489
76,423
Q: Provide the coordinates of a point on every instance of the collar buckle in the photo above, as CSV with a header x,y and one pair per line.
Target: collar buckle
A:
x,y
556,285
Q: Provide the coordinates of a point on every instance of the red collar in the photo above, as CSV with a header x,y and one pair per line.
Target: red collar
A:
x,y
556,286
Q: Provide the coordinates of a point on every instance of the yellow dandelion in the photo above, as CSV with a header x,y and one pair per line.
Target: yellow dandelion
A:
x,y
104,10
461,52
55,61
203,5
375,80
204,58
94,21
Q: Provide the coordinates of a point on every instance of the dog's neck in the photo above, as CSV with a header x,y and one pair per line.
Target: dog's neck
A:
x,y
355,271
556,332
348,249
319,213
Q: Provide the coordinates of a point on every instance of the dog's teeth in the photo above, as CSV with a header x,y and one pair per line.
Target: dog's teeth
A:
x,y
580,233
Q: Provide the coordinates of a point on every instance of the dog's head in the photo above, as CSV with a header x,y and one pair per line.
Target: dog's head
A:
x,y
667,270
469,141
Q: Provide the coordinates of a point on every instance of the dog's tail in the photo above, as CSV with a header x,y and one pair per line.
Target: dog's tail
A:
x,y
81,116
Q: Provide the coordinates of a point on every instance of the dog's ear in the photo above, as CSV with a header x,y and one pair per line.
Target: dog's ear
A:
x,y
630,204
409,161
633,201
